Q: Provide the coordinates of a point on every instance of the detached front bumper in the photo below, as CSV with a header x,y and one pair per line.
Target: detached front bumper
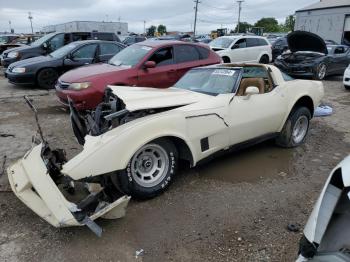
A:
x,y
33,185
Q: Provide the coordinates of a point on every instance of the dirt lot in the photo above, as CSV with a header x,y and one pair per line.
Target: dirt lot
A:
x,y
235,208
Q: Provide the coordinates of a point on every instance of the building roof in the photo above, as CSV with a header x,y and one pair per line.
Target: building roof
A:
x,y
326,4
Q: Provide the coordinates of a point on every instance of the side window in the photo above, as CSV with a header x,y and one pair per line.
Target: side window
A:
x,y
85,52
186,53
103,36
258,74
109,49
262,42
204,53
339,50
242,43
252,42
163,56
56,42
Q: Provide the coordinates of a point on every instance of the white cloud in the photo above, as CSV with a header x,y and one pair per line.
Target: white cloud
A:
x,y
175,14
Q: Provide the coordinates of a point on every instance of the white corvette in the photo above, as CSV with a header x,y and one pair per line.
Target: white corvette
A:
x,y
135,139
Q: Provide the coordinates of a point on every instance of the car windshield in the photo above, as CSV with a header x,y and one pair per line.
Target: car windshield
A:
x,y
3,39
42,40
130,56
211,81
63,51
222,42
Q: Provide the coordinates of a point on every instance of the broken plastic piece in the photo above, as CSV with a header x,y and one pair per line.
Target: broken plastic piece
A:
x,y
92,225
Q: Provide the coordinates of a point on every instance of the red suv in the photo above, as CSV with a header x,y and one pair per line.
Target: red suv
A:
x,y
154,63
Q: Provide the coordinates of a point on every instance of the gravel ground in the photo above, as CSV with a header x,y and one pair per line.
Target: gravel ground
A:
x,y
235,208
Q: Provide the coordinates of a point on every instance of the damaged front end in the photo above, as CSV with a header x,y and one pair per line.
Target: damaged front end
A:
x,y
37,181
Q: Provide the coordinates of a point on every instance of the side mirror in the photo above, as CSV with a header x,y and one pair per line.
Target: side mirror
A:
x,y
150,64
68,61
235,46
252,90
45,46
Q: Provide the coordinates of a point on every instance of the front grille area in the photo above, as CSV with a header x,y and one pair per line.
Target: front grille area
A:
x,y
63,85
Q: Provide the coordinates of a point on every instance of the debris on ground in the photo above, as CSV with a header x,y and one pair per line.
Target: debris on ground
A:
x,y
323,111
293,227
139,253
7,135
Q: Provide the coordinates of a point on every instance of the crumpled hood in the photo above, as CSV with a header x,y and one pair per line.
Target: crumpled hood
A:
x,y
138,98
306,41
85,73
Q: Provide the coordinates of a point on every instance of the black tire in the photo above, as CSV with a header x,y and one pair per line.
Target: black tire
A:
x,y
226,59
129,180
347,87
47,78
317,74
264,59
286,138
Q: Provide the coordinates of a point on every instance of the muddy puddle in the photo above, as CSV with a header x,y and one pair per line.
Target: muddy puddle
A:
x,y
249,165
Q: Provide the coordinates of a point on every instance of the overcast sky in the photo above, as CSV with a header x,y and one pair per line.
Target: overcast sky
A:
x,y
177,15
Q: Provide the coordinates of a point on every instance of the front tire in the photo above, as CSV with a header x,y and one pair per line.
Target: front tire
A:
x,y
264,59
347,87
47,78
226,59
150,170
321,72
295,129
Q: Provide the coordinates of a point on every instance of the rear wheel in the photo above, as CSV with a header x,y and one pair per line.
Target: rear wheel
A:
x,y
347,87
321,72
295,129
264,59
226,59
47,78
150,170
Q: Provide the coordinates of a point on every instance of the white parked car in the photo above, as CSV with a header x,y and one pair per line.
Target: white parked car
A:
x,y
327,232
346,79
243,49
135,139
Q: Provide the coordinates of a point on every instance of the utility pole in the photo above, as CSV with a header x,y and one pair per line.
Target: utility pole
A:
x,y
144,27
10,26
239,13
195,17
30,17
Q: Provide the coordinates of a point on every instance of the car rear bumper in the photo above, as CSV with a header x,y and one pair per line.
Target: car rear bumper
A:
x,y
20,79
31,183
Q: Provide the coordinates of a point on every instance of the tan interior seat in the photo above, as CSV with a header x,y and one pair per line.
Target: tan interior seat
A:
x,y
246,82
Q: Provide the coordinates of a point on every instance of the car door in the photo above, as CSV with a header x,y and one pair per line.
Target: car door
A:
x,y
186,57
341,57
107,51
253,50
239,52
164,74
256,115
84,55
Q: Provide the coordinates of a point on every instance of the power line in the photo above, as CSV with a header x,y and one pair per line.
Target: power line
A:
x,y
195,17
218,8
239,13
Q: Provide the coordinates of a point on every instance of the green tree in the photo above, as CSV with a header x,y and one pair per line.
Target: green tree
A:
x,y
290,23
151,30
269,24
161,29
244,27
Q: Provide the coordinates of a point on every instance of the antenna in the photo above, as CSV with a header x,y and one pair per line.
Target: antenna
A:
x,y
36,118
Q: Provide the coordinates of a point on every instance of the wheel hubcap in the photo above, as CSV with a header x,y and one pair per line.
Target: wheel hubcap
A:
x,y
300,129
322,71
149,165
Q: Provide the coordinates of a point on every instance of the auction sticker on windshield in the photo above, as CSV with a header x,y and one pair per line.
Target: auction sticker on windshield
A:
x,y
224,72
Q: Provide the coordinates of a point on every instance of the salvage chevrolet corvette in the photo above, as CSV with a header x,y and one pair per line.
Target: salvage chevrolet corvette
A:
x,y
134,140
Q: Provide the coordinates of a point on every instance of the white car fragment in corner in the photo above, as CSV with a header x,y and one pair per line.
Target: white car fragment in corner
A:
x,y
327,232
135,138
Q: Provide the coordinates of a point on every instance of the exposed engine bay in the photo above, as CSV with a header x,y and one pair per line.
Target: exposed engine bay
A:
x,y
109,114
